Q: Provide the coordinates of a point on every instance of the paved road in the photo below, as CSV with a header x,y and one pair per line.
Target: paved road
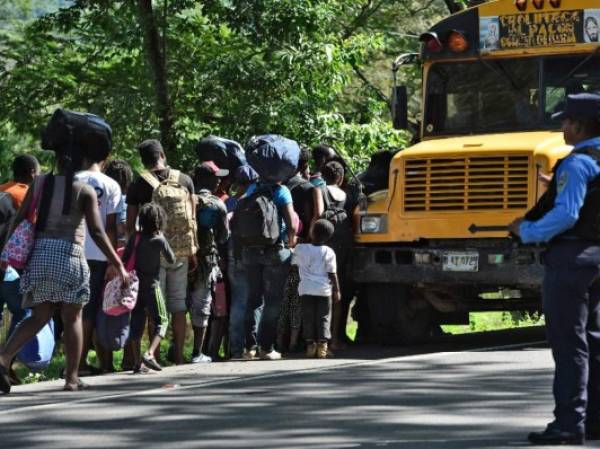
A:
x,y
473,399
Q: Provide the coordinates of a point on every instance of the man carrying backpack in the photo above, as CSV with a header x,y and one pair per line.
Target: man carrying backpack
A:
x,y
174,191
213,231
263,224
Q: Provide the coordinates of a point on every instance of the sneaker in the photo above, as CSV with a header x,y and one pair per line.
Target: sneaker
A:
x,y
311,350
249,354
322,350
201,358
273,355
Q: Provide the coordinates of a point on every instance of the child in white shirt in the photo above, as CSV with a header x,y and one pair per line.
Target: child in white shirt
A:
x,y
318,287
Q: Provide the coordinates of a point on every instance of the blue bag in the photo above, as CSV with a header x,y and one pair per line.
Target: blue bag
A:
x,y
37,352
274,157
112,331
225,153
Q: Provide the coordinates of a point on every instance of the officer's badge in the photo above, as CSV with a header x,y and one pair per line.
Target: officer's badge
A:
x,y
562,182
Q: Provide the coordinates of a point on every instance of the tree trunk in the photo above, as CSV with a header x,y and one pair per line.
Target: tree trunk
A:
x,y
453,5
157,59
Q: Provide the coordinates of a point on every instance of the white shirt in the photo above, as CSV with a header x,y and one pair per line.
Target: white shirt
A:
x,y
109,195
314,264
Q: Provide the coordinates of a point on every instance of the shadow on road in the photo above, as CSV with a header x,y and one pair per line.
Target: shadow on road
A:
x,y
482,401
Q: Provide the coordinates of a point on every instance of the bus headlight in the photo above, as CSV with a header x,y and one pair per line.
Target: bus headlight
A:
x,y
373,224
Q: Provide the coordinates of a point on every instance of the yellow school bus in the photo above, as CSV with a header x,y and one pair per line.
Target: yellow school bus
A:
x,y
434,246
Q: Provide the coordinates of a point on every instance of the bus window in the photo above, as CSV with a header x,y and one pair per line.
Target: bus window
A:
x,y
568,75
478,97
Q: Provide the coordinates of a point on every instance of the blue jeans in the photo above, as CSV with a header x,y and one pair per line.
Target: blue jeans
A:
x,y
571,294
10,295
238,288
266,270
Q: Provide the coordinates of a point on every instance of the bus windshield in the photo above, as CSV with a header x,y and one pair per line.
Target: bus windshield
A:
x,y
504,95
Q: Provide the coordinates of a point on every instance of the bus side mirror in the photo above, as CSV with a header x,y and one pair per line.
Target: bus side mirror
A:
x,y
400,107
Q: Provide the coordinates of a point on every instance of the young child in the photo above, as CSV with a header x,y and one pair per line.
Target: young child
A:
x,y
318,286
151,244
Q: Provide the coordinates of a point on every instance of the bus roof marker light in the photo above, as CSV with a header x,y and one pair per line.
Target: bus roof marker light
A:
x,y
457,42
432,42
521,4
555,3
539,4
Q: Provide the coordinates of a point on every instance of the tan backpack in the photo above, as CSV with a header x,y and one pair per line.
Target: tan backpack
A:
x,y
176,200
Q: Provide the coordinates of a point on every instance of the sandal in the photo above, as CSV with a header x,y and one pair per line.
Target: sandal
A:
x,y
4,380
149,360
79,387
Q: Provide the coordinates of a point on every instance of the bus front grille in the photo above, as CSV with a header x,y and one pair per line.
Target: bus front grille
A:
x,y
471,183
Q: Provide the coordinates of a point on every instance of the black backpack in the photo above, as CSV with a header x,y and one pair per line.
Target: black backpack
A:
x,y
333,212
255,221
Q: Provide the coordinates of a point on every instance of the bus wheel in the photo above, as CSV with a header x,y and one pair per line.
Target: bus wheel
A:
x,y
397,317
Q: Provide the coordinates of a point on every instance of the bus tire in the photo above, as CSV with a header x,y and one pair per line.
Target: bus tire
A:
x,y
397,317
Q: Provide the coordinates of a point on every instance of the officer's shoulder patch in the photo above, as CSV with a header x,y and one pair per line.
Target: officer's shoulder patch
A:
x,y
562,181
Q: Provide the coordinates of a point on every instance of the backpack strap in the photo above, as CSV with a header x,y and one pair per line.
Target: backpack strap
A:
x,y
326,197
174,176
150,179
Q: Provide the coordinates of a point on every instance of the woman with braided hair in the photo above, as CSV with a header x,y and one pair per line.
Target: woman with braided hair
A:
x,y
57,275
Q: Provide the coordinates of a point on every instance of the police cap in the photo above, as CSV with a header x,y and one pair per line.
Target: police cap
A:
x,y
584,106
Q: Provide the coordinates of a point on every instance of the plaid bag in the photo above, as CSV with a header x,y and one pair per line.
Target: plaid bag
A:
x,y
19,245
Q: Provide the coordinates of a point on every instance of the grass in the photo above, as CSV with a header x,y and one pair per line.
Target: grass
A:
x,y
479,322
493,321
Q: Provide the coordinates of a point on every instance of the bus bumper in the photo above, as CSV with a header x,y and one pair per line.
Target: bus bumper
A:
x,y
501,262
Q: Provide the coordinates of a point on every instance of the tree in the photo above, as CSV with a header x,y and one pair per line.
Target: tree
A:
x,y
181,69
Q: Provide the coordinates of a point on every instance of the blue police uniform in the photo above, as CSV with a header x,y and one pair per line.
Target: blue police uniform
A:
x,y
571,289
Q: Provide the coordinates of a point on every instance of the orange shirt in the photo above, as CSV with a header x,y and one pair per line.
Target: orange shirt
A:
x,y
16,190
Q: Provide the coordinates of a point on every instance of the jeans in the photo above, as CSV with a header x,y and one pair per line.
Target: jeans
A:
x,y
242,321
267,270
571,295
10,295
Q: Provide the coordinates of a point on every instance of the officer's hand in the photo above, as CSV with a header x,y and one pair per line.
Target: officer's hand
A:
x,y
544,179
514,226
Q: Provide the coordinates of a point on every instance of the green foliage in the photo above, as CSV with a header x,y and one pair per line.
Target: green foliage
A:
x,y
492,321
234,68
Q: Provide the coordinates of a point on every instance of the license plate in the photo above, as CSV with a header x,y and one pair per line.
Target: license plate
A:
x,y
460,262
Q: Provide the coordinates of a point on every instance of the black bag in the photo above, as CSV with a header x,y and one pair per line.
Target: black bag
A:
x,y
333,212
274,157
225,153
255,221
87,134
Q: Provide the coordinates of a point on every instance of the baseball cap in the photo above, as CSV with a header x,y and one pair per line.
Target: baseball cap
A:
x,y
209,168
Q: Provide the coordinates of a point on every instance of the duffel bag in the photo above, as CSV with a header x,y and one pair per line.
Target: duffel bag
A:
x,y
274,157
225,153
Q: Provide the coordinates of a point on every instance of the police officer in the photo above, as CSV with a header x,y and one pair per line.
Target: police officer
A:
x,y
567,217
